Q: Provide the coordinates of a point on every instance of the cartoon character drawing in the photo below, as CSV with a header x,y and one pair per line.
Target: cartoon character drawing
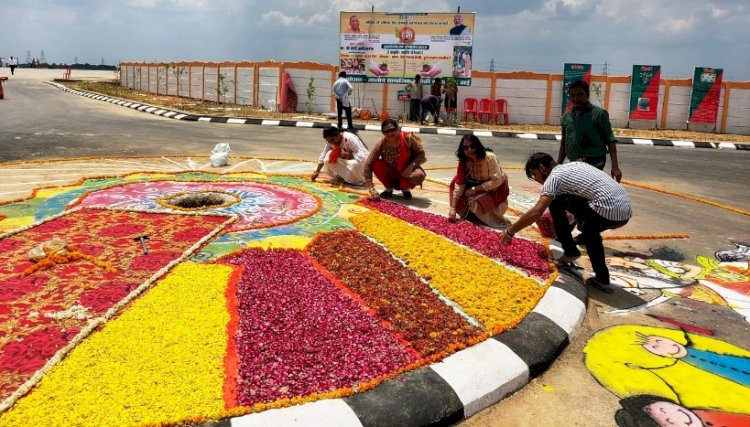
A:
x,y
692,370
647,410
741,252
732,367
710,281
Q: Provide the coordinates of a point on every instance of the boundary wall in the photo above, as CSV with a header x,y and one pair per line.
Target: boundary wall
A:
x,y
533,98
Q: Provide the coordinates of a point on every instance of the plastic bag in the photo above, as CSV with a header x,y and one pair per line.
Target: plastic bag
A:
x,y
220,155
53,246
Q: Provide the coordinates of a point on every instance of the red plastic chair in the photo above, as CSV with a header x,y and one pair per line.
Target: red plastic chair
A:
x,y
501,109
470,107
485,109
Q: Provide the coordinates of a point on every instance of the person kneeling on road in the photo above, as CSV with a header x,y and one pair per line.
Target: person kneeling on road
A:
x,y
596,200
396,160
343,157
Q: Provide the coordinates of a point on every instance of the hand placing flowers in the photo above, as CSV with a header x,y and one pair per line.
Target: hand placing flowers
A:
x,y
506,237
374,195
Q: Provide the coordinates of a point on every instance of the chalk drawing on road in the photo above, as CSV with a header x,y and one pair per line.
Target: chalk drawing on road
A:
x,y
710,280
648,410
691,370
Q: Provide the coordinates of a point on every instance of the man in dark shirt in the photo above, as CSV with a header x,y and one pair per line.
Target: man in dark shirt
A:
x,y
587,133
460,29
431,105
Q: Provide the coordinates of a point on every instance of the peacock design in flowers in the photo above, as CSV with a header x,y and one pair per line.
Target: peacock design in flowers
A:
x,y
284,292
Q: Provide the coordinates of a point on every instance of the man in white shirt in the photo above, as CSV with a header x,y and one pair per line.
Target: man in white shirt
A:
x,y
13,63
596,200
341,91
343,157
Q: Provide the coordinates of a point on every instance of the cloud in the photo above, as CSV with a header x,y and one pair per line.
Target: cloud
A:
x,y
678,25
717,12
276,18
152,4
533,35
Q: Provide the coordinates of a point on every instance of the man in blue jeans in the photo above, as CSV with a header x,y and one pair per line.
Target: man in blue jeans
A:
x,y
596,200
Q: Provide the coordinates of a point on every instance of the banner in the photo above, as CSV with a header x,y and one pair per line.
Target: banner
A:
x,y
571,73
644,92
704,101
395,47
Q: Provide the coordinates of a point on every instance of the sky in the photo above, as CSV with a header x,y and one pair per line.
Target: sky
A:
x,y
527,35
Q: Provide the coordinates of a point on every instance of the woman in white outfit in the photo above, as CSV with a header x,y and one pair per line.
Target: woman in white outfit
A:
x,y
343,157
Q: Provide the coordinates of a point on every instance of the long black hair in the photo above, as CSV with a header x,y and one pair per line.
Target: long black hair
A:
x,y
479,148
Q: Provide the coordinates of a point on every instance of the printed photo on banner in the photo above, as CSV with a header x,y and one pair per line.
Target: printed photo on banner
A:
x,y
462,61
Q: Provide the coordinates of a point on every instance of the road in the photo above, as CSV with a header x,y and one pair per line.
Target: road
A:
x,y
42,122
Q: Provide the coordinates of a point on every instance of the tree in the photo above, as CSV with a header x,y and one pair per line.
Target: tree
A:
x,y
310,102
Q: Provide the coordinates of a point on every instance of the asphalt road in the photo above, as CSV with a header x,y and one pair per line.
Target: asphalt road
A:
x,y
40,121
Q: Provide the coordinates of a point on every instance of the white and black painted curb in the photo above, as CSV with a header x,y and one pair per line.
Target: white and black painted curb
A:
x,y
457,387
428,130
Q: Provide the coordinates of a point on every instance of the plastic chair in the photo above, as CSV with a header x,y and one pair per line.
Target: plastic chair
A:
x,y
66,73
470,107
501,109
485,109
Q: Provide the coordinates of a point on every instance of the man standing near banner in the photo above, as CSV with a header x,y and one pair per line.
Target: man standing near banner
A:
x,y
341,91
587,132
416,93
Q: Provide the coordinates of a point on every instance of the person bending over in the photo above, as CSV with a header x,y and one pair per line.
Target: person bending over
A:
x,y
596,200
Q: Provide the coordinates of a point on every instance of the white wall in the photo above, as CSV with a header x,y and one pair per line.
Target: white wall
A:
x,y
322,84
527,98
738,117
245,85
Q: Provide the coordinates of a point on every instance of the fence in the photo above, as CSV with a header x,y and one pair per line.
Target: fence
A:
x,y
533,98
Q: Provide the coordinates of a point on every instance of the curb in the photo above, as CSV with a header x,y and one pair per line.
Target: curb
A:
x,y
440,131
457,387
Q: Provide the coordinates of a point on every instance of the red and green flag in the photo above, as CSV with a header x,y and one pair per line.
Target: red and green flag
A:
x,y
571,73
644,92
704,101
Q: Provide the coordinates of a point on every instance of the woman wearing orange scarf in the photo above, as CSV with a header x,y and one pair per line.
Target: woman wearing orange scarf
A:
x,y
343,157
480,188
396,161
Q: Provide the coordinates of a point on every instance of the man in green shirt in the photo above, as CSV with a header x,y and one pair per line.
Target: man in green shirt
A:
x,y
587,133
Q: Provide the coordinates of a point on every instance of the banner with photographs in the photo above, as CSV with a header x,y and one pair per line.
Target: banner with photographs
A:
x,y
704,101
395,47
644,92
571,73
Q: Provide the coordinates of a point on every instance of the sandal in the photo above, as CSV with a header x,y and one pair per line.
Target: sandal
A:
x,y
566,261
607,289
407,195
387,194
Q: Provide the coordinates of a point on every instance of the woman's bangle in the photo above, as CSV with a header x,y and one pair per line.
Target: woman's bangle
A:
x,y
509,233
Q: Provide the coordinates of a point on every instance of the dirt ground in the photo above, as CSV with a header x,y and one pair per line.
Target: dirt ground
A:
x,y
193,106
